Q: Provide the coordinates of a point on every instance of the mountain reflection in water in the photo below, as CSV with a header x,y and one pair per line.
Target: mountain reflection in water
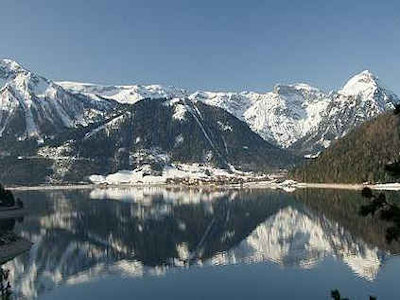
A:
x,y
79,236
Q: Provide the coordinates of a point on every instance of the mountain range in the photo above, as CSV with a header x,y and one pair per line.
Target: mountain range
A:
x,y
69,130
298,116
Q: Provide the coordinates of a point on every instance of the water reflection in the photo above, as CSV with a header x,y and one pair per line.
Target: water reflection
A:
x,y
82,235
11,245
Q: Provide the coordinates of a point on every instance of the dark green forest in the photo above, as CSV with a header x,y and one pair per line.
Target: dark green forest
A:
x,y
361,156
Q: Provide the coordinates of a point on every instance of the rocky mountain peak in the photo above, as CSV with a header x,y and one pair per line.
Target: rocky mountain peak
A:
x,y
360,83
10,65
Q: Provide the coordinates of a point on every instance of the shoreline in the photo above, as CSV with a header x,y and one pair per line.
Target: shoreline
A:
x,y
337,186
351,186
248,185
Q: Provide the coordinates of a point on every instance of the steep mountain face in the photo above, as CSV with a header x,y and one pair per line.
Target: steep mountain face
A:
x,y
32,107
298,117
156,133
360,156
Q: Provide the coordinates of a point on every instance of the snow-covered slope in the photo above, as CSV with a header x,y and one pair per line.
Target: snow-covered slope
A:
x,y
367,86
281,116
33,106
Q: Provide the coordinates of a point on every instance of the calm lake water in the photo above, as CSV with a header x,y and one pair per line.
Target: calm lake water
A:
x,y
156,243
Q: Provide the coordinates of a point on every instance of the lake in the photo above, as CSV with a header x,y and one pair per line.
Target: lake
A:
x,y
176,243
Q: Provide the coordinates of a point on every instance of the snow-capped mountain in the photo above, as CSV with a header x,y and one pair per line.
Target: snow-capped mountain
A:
x,y
294,116
281,116
369,88
86,129
32,106
304,118
298,117
362,98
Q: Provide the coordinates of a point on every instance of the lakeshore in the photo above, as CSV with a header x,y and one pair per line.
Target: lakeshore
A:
x,y
287,185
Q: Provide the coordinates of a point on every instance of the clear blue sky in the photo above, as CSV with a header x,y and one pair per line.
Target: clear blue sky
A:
x,y
204,44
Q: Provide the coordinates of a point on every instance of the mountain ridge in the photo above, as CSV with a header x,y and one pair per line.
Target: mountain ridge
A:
x,y
294,116
291,120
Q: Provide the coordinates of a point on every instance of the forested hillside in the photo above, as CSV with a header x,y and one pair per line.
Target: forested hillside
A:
x,y
360,156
